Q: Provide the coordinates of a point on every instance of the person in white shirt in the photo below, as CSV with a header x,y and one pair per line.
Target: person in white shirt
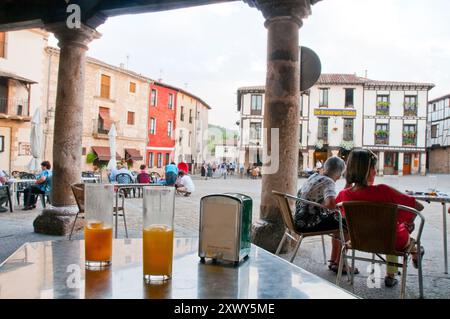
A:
x,y
185,185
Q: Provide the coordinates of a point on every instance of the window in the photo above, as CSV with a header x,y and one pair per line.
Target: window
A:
x,y
151,160
348,130
167,158
409,134
382,133
182,113
2,44
159,160
189,140
300,137
323,97
434,129
255,131
152,126
301,104
181,137
382,105
104,120
410,105
322,133
105,86
132,87
169,128
256,104
130,118
349,97
154,97
170,103
190,116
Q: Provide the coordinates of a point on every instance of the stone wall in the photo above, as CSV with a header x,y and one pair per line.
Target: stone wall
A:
x,y
439,161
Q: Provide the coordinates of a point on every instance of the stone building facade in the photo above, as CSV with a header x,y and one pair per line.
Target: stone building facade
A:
x,y
21,82
344,111
112,95
438,135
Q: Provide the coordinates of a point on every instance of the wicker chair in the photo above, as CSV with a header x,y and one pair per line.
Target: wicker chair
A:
x,y
372,229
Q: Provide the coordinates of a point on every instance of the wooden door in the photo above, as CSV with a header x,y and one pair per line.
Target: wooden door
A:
x,y
406,164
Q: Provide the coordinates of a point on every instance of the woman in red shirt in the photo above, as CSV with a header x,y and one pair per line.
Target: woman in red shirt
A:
x,y
360,176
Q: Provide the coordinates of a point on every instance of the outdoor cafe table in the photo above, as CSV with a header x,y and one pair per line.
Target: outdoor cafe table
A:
x,y
443,199
55,269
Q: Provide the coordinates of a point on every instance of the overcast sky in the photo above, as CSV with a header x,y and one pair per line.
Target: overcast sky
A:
x,y
213,50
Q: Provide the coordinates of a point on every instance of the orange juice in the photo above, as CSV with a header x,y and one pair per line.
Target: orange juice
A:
x,y
98,241
158,250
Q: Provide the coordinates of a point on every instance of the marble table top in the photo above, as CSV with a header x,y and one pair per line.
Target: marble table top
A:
x,y
55,269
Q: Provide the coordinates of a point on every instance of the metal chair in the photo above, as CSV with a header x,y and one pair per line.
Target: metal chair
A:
x,y
21,186
4,192
78,193
290,231
124,178
372,229
47,195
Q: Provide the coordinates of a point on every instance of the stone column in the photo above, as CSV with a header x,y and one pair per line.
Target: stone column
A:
x,y
381,163
281,111
68,127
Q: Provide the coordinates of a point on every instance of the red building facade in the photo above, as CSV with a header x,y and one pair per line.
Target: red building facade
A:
x,y
161,126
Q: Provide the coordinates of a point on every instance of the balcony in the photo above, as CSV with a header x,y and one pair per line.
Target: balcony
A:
x,y
382,108
99,130
14,109
409,138
410,109
381,137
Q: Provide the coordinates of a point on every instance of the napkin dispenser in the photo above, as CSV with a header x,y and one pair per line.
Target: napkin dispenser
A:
x,y
225,227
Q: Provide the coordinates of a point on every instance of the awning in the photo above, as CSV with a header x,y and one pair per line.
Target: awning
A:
x,y
104,114
13,76
133,154
103,153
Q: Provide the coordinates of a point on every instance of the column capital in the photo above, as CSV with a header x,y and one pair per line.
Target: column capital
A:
x,y
80,37
275,10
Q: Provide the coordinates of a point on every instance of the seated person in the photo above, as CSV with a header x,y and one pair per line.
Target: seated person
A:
x,y
41,186
170,172
360,176
121,169
185,185
143,177
321,189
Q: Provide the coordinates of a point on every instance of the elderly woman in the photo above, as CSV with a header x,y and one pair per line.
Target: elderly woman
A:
x,y
321,189
360,176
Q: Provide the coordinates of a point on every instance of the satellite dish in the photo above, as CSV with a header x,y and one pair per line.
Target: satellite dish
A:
x,y
310,68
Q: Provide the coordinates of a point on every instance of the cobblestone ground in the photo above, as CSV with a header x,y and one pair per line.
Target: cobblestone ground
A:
x,y
16,228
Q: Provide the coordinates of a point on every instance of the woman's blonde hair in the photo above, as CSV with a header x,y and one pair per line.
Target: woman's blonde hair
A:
x,y
359,163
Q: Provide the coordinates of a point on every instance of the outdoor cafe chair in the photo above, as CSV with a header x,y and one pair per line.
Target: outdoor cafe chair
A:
x,y
124,178
78,193
21,186
372,229
4,192
290,231
45,198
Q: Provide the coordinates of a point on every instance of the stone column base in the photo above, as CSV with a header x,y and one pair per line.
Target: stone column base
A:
x,y
267,235
57,221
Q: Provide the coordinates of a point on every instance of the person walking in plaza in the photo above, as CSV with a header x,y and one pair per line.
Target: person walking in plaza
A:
x,y
41,186
360,177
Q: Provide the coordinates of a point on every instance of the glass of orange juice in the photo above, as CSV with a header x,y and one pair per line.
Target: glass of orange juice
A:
x,y
98,230
159,204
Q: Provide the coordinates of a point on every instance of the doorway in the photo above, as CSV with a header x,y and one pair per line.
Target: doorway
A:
x,y
407,164
5,148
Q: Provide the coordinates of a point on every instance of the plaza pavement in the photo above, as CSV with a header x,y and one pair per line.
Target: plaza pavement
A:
x,y
17,228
